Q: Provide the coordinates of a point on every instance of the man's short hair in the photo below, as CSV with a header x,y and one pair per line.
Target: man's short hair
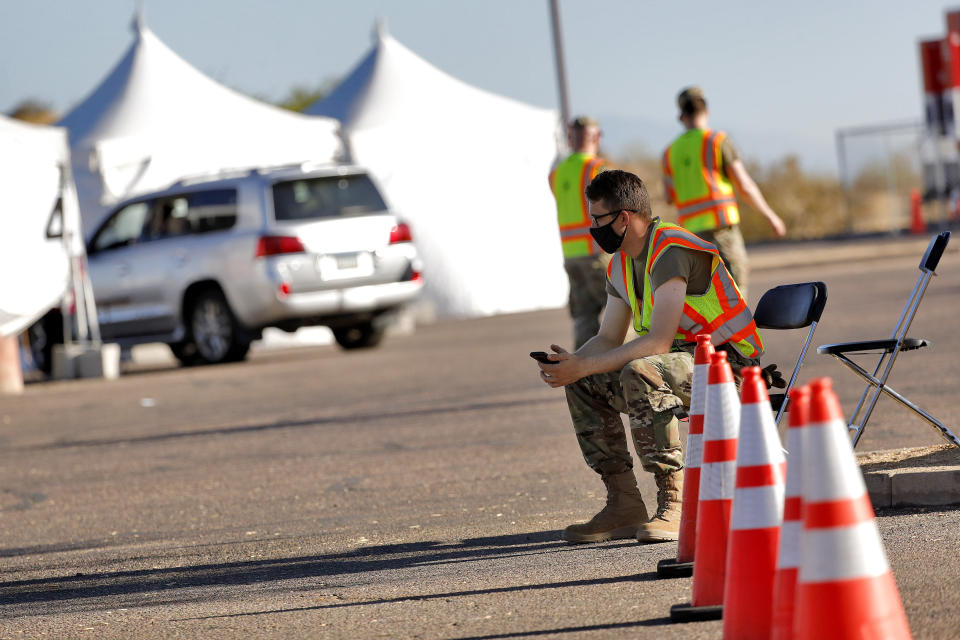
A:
x,y
692,101
583,122
618,189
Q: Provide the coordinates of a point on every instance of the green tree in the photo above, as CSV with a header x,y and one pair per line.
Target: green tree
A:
x,y
34,111
302,96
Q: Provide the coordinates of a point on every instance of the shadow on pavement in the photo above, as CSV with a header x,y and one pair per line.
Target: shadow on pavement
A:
x,y
653,622
109,590
291,424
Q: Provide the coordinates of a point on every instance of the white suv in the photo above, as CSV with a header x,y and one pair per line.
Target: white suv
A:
x,y
205,265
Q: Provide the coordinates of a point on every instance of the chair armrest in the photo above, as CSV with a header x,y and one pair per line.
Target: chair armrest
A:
x,y
887,345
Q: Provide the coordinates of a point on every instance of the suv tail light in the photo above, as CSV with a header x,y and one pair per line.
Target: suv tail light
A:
x,y
400,233
276,245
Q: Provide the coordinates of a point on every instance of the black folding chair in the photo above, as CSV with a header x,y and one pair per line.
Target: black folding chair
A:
x,y
897,342
791,306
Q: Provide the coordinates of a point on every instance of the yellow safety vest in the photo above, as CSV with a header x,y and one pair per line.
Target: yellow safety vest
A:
x,y
568,183
721,311
699,189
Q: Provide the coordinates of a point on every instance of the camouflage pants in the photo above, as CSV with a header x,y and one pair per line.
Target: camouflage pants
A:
x,y
729,242
588,294
647,390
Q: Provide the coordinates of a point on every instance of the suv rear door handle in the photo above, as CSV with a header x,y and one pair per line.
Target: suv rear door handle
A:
x,y
182,257
123,269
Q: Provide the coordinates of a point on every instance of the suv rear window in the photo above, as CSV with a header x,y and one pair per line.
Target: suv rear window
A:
x,y
326,197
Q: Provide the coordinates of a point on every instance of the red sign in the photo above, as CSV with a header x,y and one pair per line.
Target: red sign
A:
x,y
953,49
931,59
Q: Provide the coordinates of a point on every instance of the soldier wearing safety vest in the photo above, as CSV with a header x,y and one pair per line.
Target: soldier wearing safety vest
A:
x,y
700,171
583,261
668,285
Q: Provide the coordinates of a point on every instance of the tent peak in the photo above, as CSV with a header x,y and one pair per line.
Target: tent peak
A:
x,y
139,23
379,29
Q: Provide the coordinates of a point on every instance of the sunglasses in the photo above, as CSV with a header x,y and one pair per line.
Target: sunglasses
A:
x,y
596,219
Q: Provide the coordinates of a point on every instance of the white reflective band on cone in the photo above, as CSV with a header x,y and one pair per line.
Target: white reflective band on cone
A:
x,y
842,553
718,480
795,462
790,532
830,474
694,453
757,508
758,444
698,398
724,410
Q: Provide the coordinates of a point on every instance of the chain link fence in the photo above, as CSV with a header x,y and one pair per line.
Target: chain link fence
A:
x,y
879,167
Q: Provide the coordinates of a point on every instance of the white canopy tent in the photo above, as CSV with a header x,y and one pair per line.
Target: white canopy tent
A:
x,y
37,205
155,119
468,169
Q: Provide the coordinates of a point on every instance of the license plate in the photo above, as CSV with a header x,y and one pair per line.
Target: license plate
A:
x,y
346,265
347,261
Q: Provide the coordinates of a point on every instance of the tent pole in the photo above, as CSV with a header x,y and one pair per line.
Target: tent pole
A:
x,y
561,67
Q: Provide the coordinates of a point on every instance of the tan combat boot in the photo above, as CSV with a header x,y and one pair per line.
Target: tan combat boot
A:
x,y
620,518
665,524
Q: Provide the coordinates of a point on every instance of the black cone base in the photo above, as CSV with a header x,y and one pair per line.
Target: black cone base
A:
x,y
670,568
690,613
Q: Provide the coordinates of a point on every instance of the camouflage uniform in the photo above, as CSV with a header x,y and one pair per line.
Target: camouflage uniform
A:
x,y
650,391
729,242
588,277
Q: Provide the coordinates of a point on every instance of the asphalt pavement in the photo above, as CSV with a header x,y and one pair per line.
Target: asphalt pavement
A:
x,y
412,491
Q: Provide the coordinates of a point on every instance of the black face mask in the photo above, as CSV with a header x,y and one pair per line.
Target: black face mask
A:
x,y
607,238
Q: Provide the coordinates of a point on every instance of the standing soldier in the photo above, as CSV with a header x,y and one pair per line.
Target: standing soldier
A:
x,y
700,170
584,263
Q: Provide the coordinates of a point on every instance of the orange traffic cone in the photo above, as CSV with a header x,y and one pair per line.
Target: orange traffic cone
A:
x,y
917,225
845,588
721,424
686,545
788,564
756,518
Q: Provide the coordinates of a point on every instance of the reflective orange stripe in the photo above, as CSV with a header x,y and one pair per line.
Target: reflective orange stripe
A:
x,y
723,302
721,291
586,175
685,239
749,330
668,172
718,208
676,241
578,237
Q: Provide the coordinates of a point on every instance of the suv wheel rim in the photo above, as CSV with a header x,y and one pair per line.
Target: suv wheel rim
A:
x,y
212,330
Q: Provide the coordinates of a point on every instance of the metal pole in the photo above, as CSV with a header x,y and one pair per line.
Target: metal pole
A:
x,y
842,162
561,67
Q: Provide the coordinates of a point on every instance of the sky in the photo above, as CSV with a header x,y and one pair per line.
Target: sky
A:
x,y
781,78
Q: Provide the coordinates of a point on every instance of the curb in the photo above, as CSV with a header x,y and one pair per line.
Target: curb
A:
x,y
913,487
906,483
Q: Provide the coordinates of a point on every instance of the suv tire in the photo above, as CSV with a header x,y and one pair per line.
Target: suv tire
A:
x,y
185,352
214,331
42,336
359,336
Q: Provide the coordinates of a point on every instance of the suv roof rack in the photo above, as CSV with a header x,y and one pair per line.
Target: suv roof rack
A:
x,y
242,172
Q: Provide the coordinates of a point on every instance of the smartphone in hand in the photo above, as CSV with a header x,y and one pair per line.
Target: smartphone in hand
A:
x,y
541,356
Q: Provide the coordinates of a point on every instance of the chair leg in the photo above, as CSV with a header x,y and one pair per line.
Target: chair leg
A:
x,y
853,426
872,381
